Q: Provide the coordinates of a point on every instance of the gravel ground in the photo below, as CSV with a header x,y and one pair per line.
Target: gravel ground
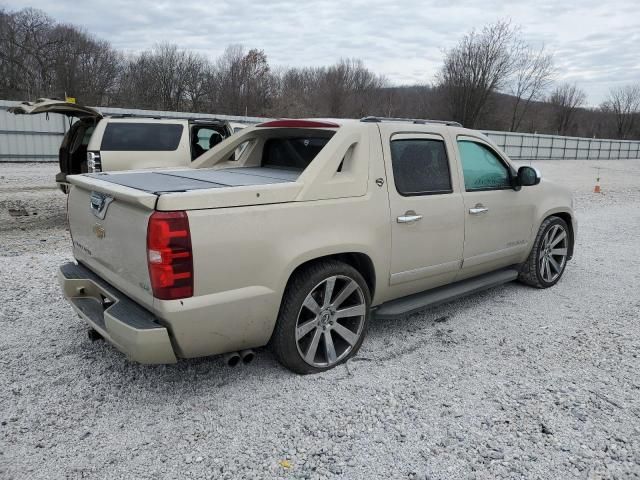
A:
x,y
511,383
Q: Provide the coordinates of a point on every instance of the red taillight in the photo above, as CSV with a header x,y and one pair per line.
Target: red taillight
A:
x,y
169,255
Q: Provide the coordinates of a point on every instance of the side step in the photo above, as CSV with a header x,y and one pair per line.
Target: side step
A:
x,y
437,296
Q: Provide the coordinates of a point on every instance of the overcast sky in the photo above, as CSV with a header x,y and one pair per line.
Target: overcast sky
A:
x,y
595,42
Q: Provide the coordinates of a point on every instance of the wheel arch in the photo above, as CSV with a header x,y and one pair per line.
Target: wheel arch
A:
x,y
362,262
569,219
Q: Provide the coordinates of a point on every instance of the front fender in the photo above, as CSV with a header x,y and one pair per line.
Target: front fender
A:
x,y
566,214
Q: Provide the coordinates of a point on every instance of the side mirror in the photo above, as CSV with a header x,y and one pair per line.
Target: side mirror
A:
x,y
528,176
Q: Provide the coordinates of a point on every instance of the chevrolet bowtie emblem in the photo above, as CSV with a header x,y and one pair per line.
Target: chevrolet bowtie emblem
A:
x,y
99,231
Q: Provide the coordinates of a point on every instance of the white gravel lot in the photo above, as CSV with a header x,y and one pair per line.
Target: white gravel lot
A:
x,y
511,383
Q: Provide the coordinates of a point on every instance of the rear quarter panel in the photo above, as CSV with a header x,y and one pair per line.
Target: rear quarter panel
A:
x,y
244,256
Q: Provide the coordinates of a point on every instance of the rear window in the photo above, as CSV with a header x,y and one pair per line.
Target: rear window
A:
x,y
294,153
420,166
136,137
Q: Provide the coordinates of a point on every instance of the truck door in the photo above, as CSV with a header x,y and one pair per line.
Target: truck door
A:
x,y
427,217
498,219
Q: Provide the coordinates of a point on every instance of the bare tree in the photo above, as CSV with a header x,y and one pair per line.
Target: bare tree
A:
x,y
566,99
300,91
162,78
533,72
229,79
624,104
346,86
256,82
85,68
168,71
10,63
197,72
244,81
365,87
41,58
28,49
336,84
478,66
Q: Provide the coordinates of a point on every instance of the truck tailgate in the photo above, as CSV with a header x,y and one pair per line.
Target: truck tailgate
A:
x,y
109,232
109,213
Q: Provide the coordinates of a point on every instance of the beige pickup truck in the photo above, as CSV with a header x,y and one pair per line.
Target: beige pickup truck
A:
x,y
297,233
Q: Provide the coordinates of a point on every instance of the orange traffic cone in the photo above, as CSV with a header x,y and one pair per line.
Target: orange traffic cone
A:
x,y
596,189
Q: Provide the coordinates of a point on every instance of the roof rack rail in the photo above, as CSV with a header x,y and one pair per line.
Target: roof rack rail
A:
x,y
419,121
166,117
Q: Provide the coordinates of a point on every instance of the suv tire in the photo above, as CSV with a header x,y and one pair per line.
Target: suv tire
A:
x,y
314,333
548,257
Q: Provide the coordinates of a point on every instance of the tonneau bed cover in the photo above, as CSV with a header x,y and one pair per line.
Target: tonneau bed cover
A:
x,y
197,179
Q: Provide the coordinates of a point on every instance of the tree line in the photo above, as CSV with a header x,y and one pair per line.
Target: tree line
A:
x,y
492,79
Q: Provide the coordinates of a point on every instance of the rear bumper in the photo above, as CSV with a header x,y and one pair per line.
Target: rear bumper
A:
x,y
129,327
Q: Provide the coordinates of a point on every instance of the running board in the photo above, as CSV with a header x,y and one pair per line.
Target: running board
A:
x,y
437,296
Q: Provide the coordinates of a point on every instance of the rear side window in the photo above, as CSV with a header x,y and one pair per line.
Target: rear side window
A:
x,y
420,166
87,135
483,169
294,153
141,137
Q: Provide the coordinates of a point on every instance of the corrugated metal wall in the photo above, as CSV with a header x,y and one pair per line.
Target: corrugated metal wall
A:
x,y
34,138
526,146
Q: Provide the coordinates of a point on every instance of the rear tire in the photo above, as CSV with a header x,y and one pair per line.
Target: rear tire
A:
x,y
323,317
548,258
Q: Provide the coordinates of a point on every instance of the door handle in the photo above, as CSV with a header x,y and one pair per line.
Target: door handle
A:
x,y
478,209
409,217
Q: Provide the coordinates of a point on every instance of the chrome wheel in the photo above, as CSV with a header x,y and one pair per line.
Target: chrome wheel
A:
x,y
553,253
330,321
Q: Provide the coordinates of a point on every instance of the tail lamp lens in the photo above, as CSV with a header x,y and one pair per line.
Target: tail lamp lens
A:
x,y
169,255
94,163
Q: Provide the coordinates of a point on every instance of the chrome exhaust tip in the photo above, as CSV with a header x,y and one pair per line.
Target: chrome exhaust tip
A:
x,y
248,356
232,359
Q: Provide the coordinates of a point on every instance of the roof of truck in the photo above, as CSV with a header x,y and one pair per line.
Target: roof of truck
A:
x,y
337,122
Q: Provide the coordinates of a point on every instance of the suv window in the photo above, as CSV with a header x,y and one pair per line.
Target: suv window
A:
x,y
483,169
87,135
137,137
420,166
295,153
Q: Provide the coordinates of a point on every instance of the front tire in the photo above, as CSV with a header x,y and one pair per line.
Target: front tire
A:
x,y
548,258
323,317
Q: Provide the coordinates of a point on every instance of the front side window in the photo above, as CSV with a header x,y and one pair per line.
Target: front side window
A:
x,y
141,137
420,166
483,169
